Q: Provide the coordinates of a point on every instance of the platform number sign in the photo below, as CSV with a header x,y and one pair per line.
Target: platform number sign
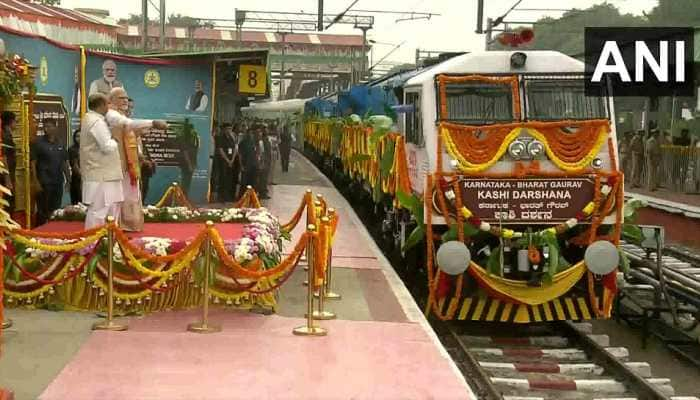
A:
x,y
252,79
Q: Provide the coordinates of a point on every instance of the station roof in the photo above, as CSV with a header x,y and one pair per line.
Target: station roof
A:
x,y
248,36
35,12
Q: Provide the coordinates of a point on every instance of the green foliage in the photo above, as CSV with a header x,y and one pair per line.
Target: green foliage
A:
x,y
675,13
414,204
387,160
624,263
451,234
48,2
493,264
630,231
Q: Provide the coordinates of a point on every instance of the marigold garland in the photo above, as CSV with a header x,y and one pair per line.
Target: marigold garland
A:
x,y
569,152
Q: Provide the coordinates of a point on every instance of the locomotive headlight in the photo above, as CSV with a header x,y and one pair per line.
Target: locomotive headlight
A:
x,y
601,257
517,149
453,257
535,148
597,163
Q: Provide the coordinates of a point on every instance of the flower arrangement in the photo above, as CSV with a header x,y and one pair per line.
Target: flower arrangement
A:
x,y
15,75
178,214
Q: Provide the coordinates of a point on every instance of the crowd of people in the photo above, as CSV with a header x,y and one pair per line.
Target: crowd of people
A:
x,y
245,154
657,159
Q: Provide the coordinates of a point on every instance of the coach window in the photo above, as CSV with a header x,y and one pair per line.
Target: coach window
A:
x,y
414,122
562,99
479,103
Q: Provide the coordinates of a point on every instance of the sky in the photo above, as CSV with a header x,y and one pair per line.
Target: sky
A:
x,y
453,30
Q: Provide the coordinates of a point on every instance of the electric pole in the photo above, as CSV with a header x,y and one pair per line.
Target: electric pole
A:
x,y
144,33
320,15
162,25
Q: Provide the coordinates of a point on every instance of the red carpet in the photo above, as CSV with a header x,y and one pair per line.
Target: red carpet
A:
x,y
178,231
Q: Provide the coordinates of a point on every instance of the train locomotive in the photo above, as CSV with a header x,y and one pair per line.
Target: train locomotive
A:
x,y
502,174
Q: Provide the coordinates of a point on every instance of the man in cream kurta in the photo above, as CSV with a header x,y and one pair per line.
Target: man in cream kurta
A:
x,y
124,131
99,155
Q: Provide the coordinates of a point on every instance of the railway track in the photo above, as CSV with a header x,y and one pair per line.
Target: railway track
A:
x,y
554,361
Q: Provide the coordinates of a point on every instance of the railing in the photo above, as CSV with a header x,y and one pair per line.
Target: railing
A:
x,y
676,169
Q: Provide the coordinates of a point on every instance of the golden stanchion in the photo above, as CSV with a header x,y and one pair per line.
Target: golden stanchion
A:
x,y
204,326
307,195
322,314
172,194
6,324
318,212
309,329
109,324
329,293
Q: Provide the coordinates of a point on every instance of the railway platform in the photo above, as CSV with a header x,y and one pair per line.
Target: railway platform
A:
x,y
379,347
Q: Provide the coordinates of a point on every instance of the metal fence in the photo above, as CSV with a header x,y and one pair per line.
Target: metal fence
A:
x,y
676,169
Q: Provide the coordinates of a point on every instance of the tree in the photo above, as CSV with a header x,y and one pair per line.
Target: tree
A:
x,y
675,13
134,19
48,2
184,21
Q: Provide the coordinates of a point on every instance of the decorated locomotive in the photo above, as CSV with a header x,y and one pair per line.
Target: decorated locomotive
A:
x,y
507,172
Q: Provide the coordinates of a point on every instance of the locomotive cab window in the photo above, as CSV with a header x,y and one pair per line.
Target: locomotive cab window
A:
x,y
479,103
414,121
556,99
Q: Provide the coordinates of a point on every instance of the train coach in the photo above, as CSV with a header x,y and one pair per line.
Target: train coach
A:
x,y
504,168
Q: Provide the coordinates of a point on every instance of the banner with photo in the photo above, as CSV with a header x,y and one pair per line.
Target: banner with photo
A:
x,y
178,92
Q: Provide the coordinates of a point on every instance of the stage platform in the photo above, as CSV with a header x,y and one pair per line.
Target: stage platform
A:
x,y
380,347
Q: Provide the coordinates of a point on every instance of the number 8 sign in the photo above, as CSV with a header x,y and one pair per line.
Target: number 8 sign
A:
x,y
252,79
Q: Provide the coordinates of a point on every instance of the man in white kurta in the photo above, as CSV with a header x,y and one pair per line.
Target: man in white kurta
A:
x,y
99,156
120,126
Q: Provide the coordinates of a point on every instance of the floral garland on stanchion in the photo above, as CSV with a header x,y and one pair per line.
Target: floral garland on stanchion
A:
x,y
173,195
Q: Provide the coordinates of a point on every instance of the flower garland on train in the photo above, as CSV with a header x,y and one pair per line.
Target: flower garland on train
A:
x,y
368,151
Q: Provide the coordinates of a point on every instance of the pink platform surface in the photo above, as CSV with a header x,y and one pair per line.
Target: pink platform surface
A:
x,y
257,357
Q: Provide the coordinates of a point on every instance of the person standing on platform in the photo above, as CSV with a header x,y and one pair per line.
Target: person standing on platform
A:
x,y
50,168
285,146
124,130
76,182
653,160
227,153
214,176
247,151
264,151
9,124
637,150
683,156
101,162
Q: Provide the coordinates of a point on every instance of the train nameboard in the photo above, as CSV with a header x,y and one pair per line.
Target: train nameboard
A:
x,y
527,200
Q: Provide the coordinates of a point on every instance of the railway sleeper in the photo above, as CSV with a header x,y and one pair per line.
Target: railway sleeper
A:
x,y
541,341
529,354
606,386
569,369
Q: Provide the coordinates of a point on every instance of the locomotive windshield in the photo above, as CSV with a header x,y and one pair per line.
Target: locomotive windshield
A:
x,y
476,103
553,100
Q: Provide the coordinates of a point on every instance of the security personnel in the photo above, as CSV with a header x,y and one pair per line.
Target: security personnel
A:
x,y
653,159
50,169
637,150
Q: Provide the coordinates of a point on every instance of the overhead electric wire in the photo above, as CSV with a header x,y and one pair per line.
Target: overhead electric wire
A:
x,y
339,16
